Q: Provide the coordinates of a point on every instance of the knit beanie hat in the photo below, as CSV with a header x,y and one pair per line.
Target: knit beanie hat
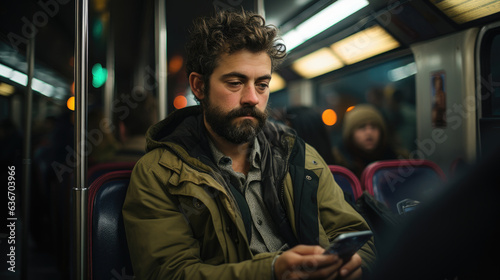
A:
x,y
360,115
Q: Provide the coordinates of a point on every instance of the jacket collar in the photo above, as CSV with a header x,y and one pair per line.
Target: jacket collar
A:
x,y
182,127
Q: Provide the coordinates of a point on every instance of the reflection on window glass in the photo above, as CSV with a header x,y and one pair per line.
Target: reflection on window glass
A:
x,y
496,102
389,87
495,76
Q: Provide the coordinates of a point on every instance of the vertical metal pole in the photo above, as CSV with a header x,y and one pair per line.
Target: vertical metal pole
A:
x,y
161,56
80,191
28,109
109,87
259,8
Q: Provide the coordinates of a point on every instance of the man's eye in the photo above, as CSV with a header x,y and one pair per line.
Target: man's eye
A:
x,y
263,85
234,84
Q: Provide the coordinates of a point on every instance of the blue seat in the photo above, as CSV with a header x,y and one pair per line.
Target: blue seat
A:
x,y
402,184
108,255
347,181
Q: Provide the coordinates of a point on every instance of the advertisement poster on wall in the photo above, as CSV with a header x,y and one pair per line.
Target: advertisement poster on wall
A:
x,y
438,91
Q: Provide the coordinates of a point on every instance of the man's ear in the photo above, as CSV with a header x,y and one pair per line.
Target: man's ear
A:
x,y
197,85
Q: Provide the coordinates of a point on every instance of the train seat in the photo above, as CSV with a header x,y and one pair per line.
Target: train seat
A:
x,y
108,255
347,181
102,168
402,184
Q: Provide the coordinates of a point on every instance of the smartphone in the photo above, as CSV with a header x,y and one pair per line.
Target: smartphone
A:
x,y
346,244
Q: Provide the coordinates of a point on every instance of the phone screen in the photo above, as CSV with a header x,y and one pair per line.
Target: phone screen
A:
x,y
345,245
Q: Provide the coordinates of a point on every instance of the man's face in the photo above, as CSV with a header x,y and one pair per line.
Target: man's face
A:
x,y
236,101
367,137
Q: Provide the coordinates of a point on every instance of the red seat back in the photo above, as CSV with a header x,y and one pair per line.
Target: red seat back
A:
x,y
394,181
347,181
102,168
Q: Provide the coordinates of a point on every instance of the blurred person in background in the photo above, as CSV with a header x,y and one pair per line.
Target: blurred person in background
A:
x,y
401,119
102,144
364,139
132,126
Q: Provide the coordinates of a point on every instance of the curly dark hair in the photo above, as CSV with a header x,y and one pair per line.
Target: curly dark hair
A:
x,y
229,32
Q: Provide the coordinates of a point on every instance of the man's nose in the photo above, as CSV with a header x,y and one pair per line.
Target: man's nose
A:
x,y
249,96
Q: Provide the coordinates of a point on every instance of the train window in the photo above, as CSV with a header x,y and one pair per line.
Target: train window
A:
x,y
495,74
389,86
489,71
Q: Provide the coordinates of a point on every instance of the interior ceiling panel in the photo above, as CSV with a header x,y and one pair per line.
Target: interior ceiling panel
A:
x,y
409,21
415,21
287,14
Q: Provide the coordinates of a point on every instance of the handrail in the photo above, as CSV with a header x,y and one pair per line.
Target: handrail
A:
x,y
161,56
80,190
30,57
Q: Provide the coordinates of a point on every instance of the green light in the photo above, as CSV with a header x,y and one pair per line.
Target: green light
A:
x,y
97,29
99,75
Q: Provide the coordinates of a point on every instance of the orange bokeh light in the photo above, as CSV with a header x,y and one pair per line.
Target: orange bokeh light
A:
x,y
71,103
329,117
180,102
350,108
175,64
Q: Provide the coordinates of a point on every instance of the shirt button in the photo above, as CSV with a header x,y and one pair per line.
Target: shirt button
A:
x,y
259,222
308,178
198,204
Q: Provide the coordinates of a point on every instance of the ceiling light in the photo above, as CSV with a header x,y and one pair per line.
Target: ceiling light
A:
x,y
402,72
5,71
364,44
317,63
19,77
22,79
42,87
321,21
463,11
6,89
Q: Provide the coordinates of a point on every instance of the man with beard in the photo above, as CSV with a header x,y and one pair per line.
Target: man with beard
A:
x,y
225,194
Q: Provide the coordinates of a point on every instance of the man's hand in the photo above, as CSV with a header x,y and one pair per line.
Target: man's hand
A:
x,y
308,262
351,270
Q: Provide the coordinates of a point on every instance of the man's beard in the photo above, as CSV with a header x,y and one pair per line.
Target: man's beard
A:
x,y
241,132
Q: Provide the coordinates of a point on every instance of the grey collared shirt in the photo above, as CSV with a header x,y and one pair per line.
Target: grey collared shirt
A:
x,y
265,236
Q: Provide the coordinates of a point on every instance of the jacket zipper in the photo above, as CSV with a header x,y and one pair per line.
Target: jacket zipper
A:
x,y
282,179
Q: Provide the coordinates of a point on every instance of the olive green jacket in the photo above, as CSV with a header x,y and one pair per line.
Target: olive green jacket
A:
x,y
183,222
